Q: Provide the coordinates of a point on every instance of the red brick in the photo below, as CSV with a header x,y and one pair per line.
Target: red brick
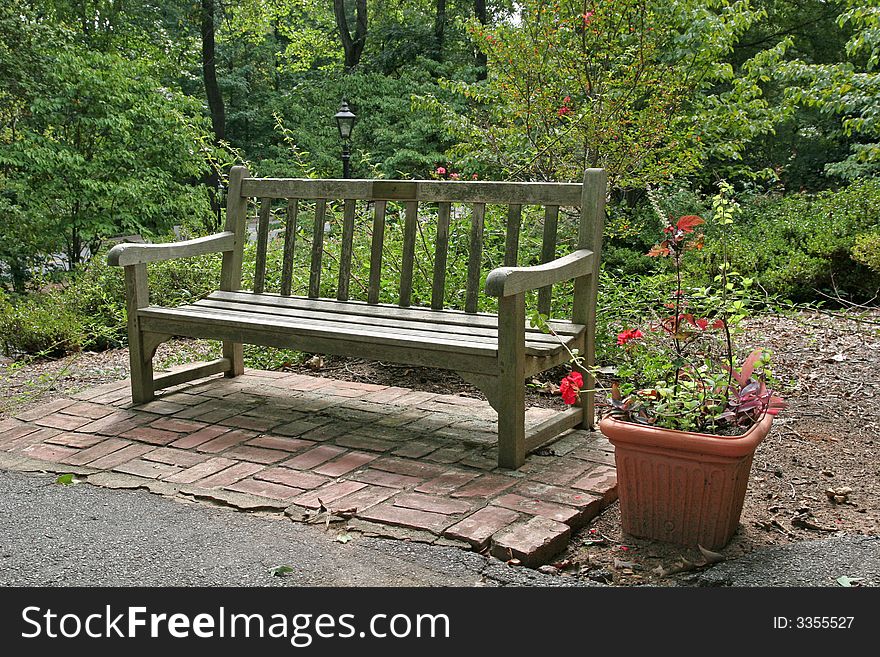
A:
x,y
579,499
314,457
485,486
150,435
293,478
601,480
62,421
265,489
391,479
78,440
91,393
561,471
199,437
325,432
107,446
387,395
360,386
479,527
115,423
44,409
31,438
299,427
364,498
52,453
593,455
365,442
415,449
178,457
446,483
229,476
256,454
12,432
533,542
410,468
112,397
89,410
345,463
252,423
161,407
402,517
180,426
200,470
431,503
328,494
120,456
229,439
557,512
148,469
283,443
450,454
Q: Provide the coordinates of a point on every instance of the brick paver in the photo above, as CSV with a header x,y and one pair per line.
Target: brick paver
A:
x,y
387,455
478,528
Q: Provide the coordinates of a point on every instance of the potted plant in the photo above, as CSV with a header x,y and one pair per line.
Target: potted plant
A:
x,y
686,417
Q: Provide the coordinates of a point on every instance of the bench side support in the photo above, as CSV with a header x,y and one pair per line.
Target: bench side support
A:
x,y
511,394
140,354
586,287
230,274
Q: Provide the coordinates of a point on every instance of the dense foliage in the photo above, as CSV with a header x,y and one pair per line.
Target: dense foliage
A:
x,y
122,118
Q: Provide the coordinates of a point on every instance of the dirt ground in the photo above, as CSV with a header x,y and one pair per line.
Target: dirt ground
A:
x,y
824,442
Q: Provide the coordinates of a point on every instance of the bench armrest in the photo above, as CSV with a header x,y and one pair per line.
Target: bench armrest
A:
x,y
506,281
123,255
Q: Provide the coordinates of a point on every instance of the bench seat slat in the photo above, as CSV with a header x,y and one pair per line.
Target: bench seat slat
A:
x,y
539,343
413,313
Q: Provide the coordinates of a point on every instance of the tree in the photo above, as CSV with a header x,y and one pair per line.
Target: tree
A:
x,y
629,85
353,46
848,90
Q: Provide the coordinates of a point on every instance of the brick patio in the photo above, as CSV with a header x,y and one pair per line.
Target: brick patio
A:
x,y
395,461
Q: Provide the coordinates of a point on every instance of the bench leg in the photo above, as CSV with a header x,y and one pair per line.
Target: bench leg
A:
x,y
234,352
511,393
141,361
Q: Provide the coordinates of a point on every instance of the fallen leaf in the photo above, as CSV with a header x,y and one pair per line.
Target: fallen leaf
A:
x,y
315,362
281,571
848,582
711,557
836,358
66,480
620,563
549,570
343,537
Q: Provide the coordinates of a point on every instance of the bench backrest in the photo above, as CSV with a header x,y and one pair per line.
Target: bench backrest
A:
x,y
451,213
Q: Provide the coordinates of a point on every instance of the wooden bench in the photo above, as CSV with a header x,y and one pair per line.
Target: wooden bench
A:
x,y
495,352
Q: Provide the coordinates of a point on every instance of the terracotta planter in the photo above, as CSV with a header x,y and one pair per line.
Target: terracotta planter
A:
x,y
682,487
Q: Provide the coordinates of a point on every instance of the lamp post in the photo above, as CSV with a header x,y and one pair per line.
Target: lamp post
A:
x,y
345,122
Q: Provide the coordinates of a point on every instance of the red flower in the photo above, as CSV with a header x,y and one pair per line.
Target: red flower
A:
x,y
454,176
564,111
629,334
570,386
441,171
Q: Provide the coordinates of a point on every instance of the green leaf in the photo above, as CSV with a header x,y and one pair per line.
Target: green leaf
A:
x,y
65,480
281,571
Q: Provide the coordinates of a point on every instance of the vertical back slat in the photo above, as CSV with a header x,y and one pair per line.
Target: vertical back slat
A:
x,y
262,242
317,249
475,257
376,251
548,253
409,247
441,249
511,244
345,255
289,244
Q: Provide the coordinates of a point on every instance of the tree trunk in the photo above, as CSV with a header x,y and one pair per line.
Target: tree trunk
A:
x,y
439,29
352,46
213,93
483,17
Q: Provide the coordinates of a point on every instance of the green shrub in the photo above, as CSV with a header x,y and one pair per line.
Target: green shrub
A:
x,y
866,250
804,246
39,324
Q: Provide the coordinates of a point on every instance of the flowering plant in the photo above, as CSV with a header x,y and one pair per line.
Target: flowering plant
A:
x,y
679,370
